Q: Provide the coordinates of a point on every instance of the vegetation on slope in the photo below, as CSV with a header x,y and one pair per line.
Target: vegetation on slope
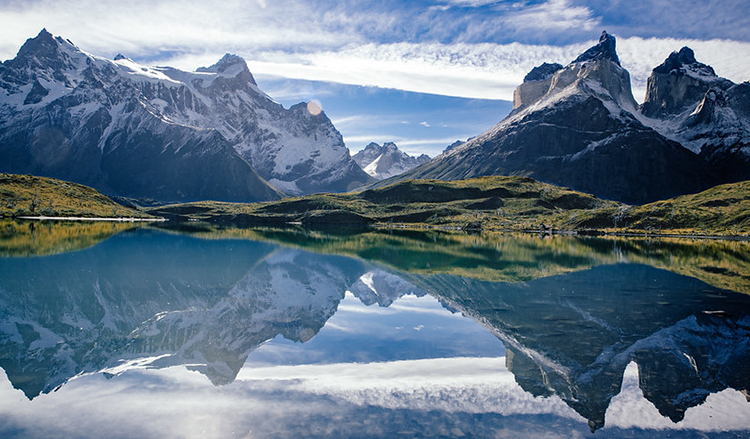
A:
x,y
500,201
26,195
489,203
722,209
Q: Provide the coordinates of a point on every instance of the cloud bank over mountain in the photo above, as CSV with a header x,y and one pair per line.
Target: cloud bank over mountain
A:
x,y
467,48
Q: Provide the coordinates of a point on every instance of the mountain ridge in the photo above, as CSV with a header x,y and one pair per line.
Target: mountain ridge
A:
x,y
579,126
160,132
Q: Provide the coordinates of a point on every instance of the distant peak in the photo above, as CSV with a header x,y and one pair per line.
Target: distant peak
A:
x,y
230,65
684,58
605,49
120,56
42,46
227,61
44,33
230,59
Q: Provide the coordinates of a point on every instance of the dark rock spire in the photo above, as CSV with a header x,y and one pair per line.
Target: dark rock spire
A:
x,y
604,50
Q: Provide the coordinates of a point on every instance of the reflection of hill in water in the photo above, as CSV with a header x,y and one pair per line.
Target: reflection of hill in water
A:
x,y
570,330
35,238
520,257
573,335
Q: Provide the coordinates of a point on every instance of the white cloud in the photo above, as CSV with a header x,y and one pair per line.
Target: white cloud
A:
x,y
293,39
558,15
485,71
144,28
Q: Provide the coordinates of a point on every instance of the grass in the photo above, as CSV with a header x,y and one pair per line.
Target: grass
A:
x,y
26,195
490,203
493,203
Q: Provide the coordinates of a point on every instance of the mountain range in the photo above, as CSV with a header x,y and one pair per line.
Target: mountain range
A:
x,y
170,135
579,126
162,133
386,160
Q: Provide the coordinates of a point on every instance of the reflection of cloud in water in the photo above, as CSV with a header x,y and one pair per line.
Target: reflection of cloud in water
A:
x,y
629,409
476,395
470,385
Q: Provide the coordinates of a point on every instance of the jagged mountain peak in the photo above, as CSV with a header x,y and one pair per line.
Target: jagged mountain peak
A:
x,y
230,65
386,160
37,50
94,109
678,84
578,127
605,49
542,72
44,41
586,76
684,59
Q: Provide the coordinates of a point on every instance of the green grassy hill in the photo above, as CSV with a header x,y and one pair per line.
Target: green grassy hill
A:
x,y
485,203
26,195
722,210
490,203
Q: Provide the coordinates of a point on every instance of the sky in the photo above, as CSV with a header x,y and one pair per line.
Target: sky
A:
x,y
420,73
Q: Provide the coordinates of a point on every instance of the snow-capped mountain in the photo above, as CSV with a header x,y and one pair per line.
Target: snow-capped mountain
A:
x,y
386,160
579,126
686,101
382,287
138,131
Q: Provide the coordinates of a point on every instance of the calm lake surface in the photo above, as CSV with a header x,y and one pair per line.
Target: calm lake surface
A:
x,y
125,331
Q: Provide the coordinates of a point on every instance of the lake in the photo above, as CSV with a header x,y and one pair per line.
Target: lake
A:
x,y
125,331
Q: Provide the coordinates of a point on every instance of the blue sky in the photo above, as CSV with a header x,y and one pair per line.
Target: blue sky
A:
x,y
392,69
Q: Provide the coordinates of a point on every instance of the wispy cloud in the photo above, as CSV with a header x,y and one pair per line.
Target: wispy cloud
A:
x,y
474,48
483,71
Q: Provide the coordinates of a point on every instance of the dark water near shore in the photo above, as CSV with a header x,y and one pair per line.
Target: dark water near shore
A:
x,y
123,331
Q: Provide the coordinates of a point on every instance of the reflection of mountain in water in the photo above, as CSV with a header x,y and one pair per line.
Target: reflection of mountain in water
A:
x,y
149,299
173,299
573,335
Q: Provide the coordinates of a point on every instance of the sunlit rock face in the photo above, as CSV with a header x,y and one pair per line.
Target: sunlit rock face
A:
x,y
578,126
710,115
535,84
678,83
162,133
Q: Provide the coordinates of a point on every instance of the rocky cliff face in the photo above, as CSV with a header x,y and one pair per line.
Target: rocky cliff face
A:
x,y
578,126
135,131
386,160
687,102
678,84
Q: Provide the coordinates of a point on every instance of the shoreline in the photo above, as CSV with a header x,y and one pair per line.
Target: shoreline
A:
x,y
81,218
